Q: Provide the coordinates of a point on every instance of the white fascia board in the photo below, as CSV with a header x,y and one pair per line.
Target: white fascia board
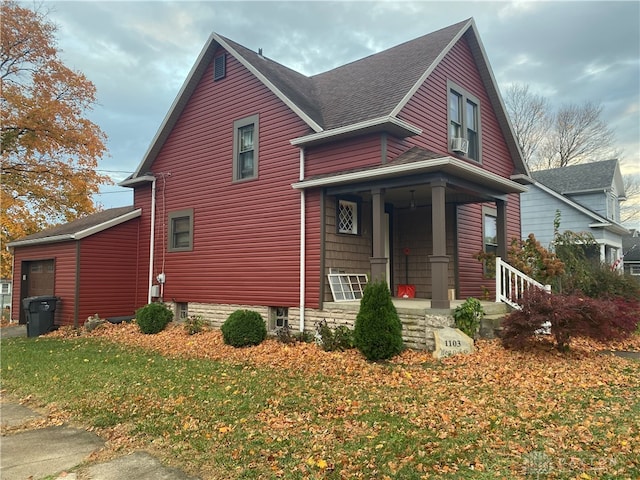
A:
x,y
78,235
306,118
610,226
374,122
131,182
455,165
108,224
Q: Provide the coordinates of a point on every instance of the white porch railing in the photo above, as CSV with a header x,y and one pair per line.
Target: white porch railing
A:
x,y
512,283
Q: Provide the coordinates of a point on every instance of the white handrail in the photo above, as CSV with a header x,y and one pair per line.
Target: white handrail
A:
x,y
512,283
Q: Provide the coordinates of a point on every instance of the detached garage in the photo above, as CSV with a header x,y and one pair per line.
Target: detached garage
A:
x,y
89,264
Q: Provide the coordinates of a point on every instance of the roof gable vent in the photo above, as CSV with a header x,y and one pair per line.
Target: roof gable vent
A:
x,y
219,67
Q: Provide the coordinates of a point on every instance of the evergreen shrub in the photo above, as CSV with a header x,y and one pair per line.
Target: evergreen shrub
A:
x,y
153,318
377,330
244,328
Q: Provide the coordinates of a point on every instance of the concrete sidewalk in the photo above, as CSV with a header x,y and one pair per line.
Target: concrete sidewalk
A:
x,y
36,453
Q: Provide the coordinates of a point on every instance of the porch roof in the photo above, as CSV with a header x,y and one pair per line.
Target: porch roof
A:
x,y
415,161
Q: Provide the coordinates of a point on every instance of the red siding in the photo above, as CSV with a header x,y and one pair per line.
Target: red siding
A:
x,y
109,278
246,234
344,155
64,255
428,110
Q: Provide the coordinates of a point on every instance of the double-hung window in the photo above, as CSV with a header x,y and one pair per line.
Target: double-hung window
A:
x,y
464,123
181,231
245,148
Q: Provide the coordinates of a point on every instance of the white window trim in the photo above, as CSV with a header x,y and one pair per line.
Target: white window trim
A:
x,y
355,206
347,287
634,270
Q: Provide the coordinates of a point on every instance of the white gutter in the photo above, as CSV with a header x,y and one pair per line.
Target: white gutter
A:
x,y
302,243
152,236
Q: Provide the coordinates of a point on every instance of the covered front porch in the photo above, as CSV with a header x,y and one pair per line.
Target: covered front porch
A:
x,y
417,220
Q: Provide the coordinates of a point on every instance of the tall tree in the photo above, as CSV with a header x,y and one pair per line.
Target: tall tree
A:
x,y
530,118
49,149
550,139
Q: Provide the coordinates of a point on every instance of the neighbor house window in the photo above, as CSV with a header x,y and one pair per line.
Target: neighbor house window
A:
x,y
634,269
347,218
245,148
6,289
464,123
181,230
279,317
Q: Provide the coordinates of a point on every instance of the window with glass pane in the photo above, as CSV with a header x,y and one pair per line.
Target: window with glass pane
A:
x,y
347,217
472,129
455,114
245,149
464,120
181,230
490,234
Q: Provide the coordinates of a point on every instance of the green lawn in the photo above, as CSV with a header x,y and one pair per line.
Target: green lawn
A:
x,y
493,414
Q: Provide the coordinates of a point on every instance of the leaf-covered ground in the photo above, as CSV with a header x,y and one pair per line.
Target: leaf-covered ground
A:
x,y
295,411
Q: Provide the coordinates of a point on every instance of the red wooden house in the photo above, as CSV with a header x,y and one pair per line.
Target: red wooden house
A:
x,y
270,190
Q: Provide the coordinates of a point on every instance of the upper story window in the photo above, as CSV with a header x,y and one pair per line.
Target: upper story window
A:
x,y
245,148
464,123
181,231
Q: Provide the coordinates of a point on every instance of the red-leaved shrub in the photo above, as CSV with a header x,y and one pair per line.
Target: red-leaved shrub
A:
x,y
569,316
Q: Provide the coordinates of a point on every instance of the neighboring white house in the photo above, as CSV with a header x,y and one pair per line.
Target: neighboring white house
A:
x,y
631,252
588,198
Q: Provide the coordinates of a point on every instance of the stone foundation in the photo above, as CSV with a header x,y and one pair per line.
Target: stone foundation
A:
x,y
418,324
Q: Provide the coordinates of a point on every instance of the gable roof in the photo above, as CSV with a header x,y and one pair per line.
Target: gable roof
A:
x,y
631,248
365,94
582,178
598,220
80,228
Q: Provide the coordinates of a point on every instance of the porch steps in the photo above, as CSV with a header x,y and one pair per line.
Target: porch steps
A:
x,y
491,324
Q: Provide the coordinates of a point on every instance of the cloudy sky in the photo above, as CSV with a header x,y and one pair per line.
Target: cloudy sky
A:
x,y
139,53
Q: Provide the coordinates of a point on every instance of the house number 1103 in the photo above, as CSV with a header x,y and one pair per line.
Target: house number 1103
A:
x,y
452,343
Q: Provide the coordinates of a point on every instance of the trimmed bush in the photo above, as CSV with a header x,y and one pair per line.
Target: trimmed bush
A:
x,y
243,328
570,316
377,330
153,318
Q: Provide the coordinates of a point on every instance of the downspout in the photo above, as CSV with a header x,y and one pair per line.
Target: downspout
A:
x,y
76,305
302,242
152,236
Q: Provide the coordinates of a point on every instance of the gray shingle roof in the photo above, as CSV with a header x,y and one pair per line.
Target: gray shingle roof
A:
x,y
78,225
361,90
585,177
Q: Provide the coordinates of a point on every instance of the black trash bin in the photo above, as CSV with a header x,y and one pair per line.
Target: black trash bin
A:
x,y
40,313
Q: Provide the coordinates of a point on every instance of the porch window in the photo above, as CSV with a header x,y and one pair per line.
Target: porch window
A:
x,y
490,234
181,231
245,148
347,217
464,123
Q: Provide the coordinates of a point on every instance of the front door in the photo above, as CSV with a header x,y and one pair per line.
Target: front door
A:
x,y
37,279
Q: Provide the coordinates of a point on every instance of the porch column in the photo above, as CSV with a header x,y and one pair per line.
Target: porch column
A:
x,y
501,229
439,260
378,261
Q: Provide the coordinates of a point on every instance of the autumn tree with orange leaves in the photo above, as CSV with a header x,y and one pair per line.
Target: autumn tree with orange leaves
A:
x,y
49,149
